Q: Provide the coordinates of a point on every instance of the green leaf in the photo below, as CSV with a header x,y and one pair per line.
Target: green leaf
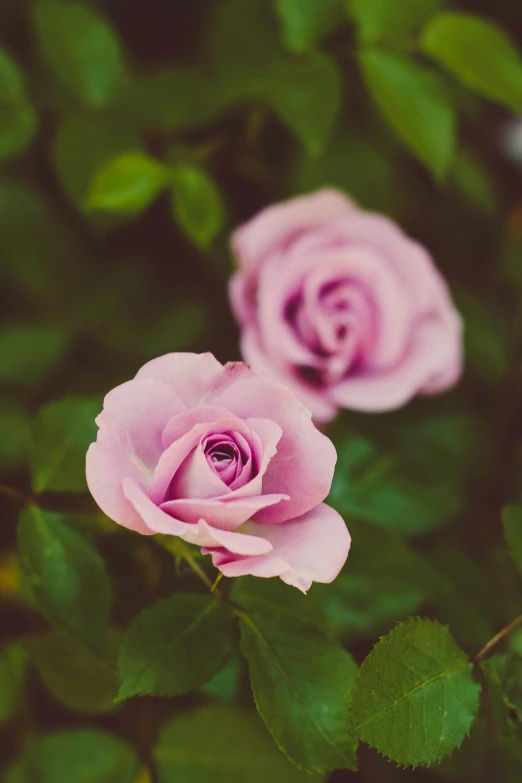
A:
x,y
389,21
29,353
81,50
62,432
474,182
307,97
512,524
81,756
81,147
504,677
235,748
412,100
175,646
80,679
478,53
225,684
127,184
301,682
18,120
409,490
305,22
66,575
277,601
14,426
197,204
12,679
414,698
384,581
168,99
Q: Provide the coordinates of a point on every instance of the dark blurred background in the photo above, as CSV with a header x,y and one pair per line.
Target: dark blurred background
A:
x,y
133,137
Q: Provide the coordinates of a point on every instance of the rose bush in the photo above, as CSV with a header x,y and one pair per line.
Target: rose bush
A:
x,y
342,306
223,458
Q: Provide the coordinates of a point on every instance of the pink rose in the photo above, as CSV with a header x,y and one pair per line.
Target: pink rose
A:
x,y
225,459
342,306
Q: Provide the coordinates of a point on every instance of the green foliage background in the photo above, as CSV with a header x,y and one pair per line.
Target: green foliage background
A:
x,y
133,137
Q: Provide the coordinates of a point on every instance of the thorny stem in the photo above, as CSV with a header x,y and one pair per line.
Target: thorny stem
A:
x,y
497,638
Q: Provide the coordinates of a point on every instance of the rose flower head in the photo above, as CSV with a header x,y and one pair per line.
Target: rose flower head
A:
x,y
225,459
340,305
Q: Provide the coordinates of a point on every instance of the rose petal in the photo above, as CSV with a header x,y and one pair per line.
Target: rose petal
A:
x,y
136,413
312,548
432,363
281,223
304,464
263,566
181,446
313,397
155,519
195,478
107,465
201,533
186,373
238,543
222,513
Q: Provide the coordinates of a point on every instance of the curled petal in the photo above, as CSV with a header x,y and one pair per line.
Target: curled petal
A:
x,y
200,533
312,548
222,513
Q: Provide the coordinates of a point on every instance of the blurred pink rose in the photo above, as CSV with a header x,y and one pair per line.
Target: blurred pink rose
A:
x,y
225,459
342,306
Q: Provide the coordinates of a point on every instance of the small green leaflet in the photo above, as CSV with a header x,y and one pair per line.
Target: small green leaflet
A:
x,y
307,97
412,100
82,146
175,646
478,53
127,184
67,577
80,49
301,683
196,204
414,698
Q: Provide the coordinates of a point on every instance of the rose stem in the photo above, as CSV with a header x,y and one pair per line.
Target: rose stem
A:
x,y
497,638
